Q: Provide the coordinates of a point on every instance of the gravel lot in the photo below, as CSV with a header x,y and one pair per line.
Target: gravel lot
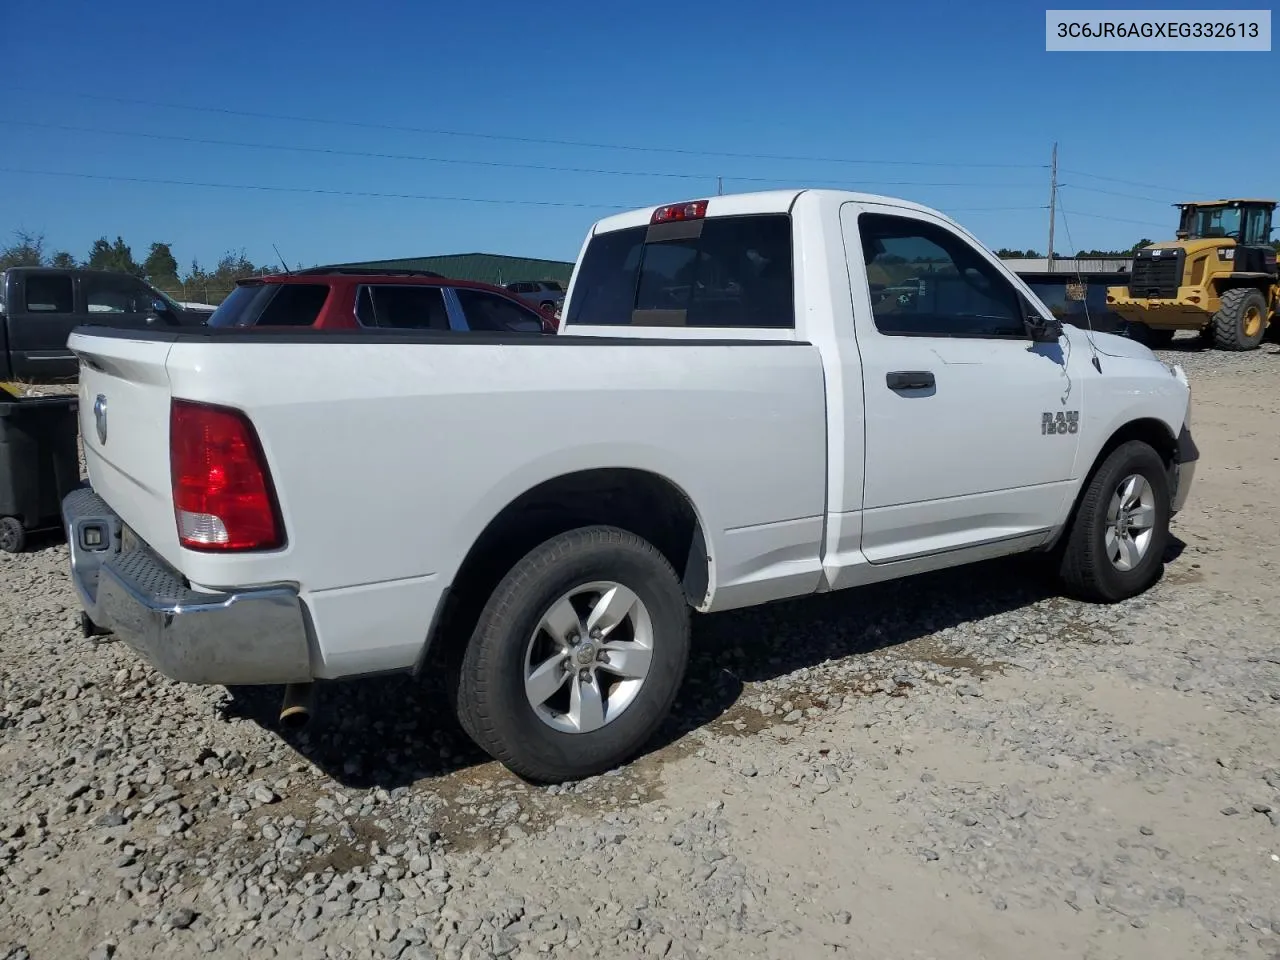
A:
x,y
962,765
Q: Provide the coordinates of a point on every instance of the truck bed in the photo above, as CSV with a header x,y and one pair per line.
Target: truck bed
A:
x,y
398,448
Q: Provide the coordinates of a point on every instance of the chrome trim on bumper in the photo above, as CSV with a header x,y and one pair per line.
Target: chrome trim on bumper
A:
x,y
253,636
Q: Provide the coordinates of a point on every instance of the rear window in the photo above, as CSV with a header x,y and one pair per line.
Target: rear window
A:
x,y
271,305
721,272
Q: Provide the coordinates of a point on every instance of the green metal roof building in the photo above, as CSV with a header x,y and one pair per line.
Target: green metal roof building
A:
x,y
481,267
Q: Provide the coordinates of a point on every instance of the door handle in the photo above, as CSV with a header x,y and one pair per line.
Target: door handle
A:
x,y
909,379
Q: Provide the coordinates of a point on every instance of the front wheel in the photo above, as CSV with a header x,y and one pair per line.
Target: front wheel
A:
x,y
1115,546
1241,321
577,656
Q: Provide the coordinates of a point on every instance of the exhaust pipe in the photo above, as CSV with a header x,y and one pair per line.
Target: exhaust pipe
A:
x,y
296,709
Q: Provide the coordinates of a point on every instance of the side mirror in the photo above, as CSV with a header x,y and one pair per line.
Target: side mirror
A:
x,y
1042,330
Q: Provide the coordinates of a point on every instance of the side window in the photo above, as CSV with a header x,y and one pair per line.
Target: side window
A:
x,y
49,293
294,305
407,307
487,311
115,294
925,281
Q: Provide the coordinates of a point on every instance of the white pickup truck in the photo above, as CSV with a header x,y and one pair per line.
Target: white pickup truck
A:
x,y
751,397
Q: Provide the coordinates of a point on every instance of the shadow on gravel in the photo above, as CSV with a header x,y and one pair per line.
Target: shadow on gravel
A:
x,y
393,732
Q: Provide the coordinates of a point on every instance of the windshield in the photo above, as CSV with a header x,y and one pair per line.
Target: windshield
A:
x,y
1216,222
241,307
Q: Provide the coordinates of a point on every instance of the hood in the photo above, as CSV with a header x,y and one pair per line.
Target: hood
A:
x,y
1192,247
1114,345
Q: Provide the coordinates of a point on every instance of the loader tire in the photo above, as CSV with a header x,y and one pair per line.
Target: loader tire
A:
x,y
1242,321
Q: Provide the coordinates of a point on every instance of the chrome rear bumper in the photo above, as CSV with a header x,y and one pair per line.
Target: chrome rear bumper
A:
x,y
252,636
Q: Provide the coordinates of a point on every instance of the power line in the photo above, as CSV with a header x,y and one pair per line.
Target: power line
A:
x,y
317,190
337,152
1115,193
1131,183
800,182
1099,216
437,131
340,152
388,196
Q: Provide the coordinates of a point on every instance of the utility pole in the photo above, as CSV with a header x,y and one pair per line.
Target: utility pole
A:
x,y
1053,199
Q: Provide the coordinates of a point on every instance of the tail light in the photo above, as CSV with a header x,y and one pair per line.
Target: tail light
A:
x,y
223,498
694,210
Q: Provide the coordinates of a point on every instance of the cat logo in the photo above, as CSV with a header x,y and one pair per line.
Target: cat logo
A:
x,y
1064,421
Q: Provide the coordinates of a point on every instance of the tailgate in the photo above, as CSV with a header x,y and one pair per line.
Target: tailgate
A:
x,y
124,425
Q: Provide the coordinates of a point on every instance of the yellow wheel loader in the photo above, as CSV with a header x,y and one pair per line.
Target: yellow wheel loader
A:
x,y
1218,278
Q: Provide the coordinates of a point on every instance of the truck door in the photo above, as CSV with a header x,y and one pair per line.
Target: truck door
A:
x,y
41,316
971,429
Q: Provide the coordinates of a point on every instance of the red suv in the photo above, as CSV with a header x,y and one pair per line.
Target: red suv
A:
x,y
338,298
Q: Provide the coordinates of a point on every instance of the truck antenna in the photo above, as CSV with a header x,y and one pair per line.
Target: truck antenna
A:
x,y
282,263
1088,318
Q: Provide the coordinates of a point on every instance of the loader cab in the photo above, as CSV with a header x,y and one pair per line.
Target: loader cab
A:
x,y
1246,222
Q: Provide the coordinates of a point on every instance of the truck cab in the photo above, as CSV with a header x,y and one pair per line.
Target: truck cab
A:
x,y
40,306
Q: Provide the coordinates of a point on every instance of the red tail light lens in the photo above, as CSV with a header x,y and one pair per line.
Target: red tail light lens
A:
x,y
693,210
223,499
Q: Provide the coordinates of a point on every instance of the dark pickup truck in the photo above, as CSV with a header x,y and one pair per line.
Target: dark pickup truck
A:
x,y
40,306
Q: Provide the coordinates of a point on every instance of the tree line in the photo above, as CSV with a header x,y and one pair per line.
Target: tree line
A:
x,y
1006,253
159,267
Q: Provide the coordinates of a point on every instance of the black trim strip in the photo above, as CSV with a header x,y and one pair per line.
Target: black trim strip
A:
x,y
1188,452
284,335
658,318
674,230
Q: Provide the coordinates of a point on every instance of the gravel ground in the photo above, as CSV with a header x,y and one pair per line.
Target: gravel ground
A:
x,y
960,765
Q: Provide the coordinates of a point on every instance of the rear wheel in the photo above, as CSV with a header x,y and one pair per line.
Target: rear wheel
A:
x,y
1241,321
12,536
1115,546
577,656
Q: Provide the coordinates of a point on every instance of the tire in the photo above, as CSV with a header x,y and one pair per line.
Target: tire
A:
x,y
1150,336
1087,568
540,743
1240,324
12,535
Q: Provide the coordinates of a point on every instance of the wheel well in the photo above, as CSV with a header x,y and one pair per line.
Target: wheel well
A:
x,y
1152,432
1224,284
648,505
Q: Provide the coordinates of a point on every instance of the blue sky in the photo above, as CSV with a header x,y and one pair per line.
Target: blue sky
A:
x,y
947,86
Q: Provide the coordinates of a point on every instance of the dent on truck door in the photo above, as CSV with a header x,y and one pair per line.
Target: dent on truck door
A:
x,y
970,428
